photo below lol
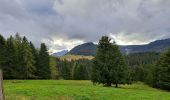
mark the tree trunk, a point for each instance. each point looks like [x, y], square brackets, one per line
[1, 86]
[116, 85]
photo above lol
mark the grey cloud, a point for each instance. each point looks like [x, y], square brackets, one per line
[135, 21]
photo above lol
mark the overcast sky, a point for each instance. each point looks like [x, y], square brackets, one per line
[62, 24]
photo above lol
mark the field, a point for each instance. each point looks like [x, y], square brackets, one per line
[78, 90]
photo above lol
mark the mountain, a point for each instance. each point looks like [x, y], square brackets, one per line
[89, 49]
[156, 46]
[61, 53]
[86, 49]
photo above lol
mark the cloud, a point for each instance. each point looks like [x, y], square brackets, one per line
[65, 23]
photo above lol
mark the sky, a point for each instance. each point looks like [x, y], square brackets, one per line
[63, 24]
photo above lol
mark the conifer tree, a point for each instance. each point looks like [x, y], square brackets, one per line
[109, 65]
[53, 68]
[28, 61]
[74, 70]
[43, 63]
[162, 72]
[66, 70]
[2, 50]
[35, 57]
[10, 66]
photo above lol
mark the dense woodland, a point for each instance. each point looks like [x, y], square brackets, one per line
[20, 59]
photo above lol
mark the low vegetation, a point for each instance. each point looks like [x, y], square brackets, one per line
[78, 90]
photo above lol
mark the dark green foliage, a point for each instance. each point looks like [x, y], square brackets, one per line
[162, 72]
[141, 58]
[142, 73]
[109, 65]
[2, 50]
[141, 66]
[72, 69]
[20, 60]
[79, 72]
[53, 68]
[43, 63]
[28, 60]
[9, 66]
[65, 69]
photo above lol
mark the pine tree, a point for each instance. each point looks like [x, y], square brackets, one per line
[66, 70]
[53, 68]
[34, 52]
[10, 66]
[43, 63]
[28, 60]
[162, 72]
[2, 51]
[74, 70]
[109, 65]
[19, 56]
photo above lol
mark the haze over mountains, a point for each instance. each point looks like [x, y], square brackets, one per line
[89, 49]
[61, 53]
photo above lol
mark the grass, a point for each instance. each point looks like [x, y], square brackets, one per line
[78, 90]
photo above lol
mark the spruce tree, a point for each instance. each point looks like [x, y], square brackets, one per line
[28, 61]
[66, 70]
[34, 52]
[74, 70]
[10, 67]
[19, 56]
[43, 69]
[53, 68]
[2, 51]
[162, 72]
[109, 66]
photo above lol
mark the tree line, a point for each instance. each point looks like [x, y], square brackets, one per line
[75, 69]
[19, 59]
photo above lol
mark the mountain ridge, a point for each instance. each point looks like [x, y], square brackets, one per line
[89, 49]
[60, 53]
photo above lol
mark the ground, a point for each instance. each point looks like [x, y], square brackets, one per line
[78, 90]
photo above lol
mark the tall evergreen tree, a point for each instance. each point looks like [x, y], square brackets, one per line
[162, 72]
[43, 63]
[35, 57]
[10, 66]
[109, 65]
[2, 50]
[19, 56]
[28, 60]
[53, 68]
[66, 70]
[74, 70]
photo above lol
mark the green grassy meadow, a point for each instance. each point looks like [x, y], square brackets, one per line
[78, 90]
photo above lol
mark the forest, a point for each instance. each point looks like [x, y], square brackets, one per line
[20, 59]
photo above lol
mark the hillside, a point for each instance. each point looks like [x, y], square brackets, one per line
[75, 57]
[86, 49]
[157, 46]
[89, 49]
